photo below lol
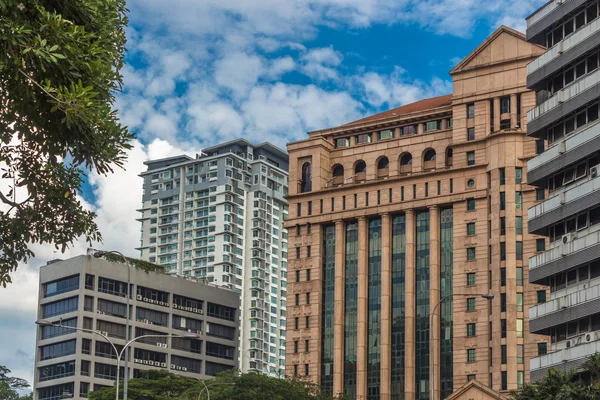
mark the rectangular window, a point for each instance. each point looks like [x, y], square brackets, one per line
[519, 250]
[309, 211]
[539, 194]
[519, 302]
[471, 279]
[519, 327]
[471, 110]
[470, 158]
[297, 320]
[297, 275]
[307, 322]
[471, 355]
[305, 369]
[295, 346]
[307, 346]
[355, 200]
[471, 253]
[539, 146]
[505, 104]
[402, 193]
[504, 384]
[321, 206]
[387, 134]
[342, 142]
[502, 226]
[308, 251]
[540, 244]
[520, 378]
[63, 285]
[297, 299]
[518, 176]
[470, 133]
[414, 192]
[299, 209]
[519, 276]
[332, 204]
[439, 187]
[390, 195]
[307, 298]
[502, 302]
[433, 126]
[541, 296]
[471, 304]
[502, 176]
[363, 138]
[503, 328]
[471, 228]
[308, 275]
[426, 189]
[378, 197]
[502, 251]
[502, 201]
[471, 377]
[503, 355]
[542, 348]
[471, 330]
[519, 200]
[470, 204]
[519, 225]
[343, 202]
[297, 253]
[295, 369]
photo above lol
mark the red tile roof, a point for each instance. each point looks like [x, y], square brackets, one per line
[420, 105]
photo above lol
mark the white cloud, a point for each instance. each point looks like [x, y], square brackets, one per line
[238, 72]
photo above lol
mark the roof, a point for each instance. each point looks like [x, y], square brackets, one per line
[490, 394]
[421, 105]
[245, 142]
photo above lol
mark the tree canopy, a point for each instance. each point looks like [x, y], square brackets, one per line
[163, 385]
[9, 386]
[583, 384]
[59, 72]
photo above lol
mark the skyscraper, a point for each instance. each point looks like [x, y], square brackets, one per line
[566, 80]
[220, 216]
[391, 214]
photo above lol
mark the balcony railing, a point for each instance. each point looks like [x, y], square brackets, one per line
[555, 358]
[564, 46]
[564, 95]
[578, 297]
[543, 11]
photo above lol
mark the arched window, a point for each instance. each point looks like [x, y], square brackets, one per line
[405, 163]
[449, 157]
[429, 155]
[383, 166]
[360, 171]
[338, 175]
[306, 182]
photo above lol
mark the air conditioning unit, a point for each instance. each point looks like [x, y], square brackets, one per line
[568, 238]
[195, 310]
[145, 362]
[139, 297]
[159, 344]
[200, 311]
[184, 369]
[172, 366]
[150, 323]
[594, 171]
[164, 365]
[189, 330]
[150, 362]
[145, 299]
[562, 147]
[199, 332]
[588, 338]
[99, 312]
[178, 368]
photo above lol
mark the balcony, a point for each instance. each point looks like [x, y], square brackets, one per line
[563, 53]
[577, 302]
[542, 12]
[564, 256]
[578, 145]
[550, 13]
[564, 203]
[563, 102]
[565, 359]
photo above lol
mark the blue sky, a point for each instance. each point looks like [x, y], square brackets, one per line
[204, 71]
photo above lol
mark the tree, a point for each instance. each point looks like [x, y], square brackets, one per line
[560, 385]
[59, 73]
[10, 385]
[229, 385]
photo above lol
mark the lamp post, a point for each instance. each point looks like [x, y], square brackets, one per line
[487, 296]
[43, 322]
[100, 254]
[210, 384]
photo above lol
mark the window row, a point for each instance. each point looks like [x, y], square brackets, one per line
[573, 173]
[572, 23]
[575, 223]
[62, 285]
[574, 121]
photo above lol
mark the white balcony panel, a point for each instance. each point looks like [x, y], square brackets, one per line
[564, 46]
[564, 95]
[571, 143]
[561, 356]
[575, 296]
[584, 239]
[564, 197]
[545, 10]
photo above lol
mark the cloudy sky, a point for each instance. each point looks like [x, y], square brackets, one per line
[204, 71]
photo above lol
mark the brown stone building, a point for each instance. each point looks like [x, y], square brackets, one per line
[398, 210]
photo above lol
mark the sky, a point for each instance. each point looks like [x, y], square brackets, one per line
[200, 72]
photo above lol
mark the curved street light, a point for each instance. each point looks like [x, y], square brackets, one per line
[44, 322]
[487, 296]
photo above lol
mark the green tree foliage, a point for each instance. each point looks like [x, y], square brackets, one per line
[163, 385]
[59, 72]
[571, 385]
[10, 385]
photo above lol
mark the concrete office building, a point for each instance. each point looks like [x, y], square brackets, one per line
[90, 293]
[391, 213]
[567, 81]
[220, 216]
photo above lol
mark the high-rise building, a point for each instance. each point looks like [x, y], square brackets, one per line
[89, 293]
[220, 216]
[394, 212]
[566, 79]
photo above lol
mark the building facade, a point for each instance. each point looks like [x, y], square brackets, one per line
[566, 80]
[220, 216]
[90, 293]
[396, 211]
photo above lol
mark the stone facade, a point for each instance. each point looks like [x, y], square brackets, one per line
[404, 209]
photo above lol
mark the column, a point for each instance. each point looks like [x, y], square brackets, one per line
[434, 285]
[396, 132]
[338, 314]
[420, 128]
[386, 306]
[362, 315]
[410, 311]
[496, 114]
[513, 110]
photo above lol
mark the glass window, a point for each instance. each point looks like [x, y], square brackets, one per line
[471, 279]
[539, 194]
[470, 158]
[470, 133]
[502, 201]
[387, 134]
[61, 286]
[540, 244]
[471, 304]
[541, 296]
[518, 176]
[519, 302]
[471, 330]
[60, 307]
[363, 138]
[502, 176]
[470, 204]
[519, 250]
[505, 104]
[503, 302]
[502, 251]
[520, 378]
[471, 355]
[502, 226]
[542, 348]
[471, 110]
[502, 277]
[503, 355]
[342, 142]
[519, 200]
[519, 327]
[503, 328]
[519, 225]
[504, 383]
[519, 276]
[539, 146]
[471, 228]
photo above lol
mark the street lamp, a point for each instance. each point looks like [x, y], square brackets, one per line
[100, 254]
[487, 296]
[44, 322]
[211, 384]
